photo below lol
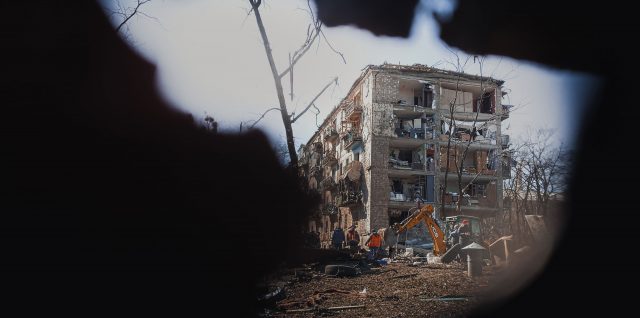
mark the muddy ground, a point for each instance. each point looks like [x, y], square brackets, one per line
[399, 289]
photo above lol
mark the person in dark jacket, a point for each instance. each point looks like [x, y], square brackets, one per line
[454, 236]
[465, 233]
[337, 238]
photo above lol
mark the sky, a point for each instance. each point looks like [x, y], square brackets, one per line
[211, 61]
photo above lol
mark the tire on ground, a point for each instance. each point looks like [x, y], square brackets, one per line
[451, 254]
[340, 270]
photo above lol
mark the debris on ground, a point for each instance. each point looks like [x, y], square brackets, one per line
[398, 289]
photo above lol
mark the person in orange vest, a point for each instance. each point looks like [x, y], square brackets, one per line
[374, 242]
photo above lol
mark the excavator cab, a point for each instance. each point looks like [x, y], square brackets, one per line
[476, 227]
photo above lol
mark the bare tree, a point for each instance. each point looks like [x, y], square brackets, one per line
[541, 170]
[211, 124]
[124, 11]
[314, 31]
[461, 150]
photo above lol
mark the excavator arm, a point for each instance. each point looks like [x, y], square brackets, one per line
[424, 214]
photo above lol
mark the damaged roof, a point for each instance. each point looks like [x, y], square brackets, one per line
[421, 68]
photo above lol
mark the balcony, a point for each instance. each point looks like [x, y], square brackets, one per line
[479, 143]
[351, 138]
[403, 169]
[415, 133]
[410, 138]
[477, 211]
[505, 112]
[328, 184]
[506, 167]
[329, 209]
[353, 111]
[402, 201]
[349, 198]
[504, 141]
[406, 111]
[316, 146]
[330, 134]
[329, 159]
[479, 206]
[315, 171]
[468, 116]
[471, 175]
[303, 162]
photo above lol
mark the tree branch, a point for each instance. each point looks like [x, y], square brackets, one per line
[311, 37]
[297, 55]
[135, 11]
[331, 47]
[314, 99]
[262, 116]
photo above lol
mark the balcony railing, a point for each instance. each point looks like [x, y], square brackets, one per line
[328, 183]
[506, 170]
[350, 138]
[504, 141]
[330, 134]
[404, 197]
[353, 111]
[415, 133]
[348, 198]
[482, 201]
[329, 158]
[505, 111]
[315, 171]
[405, 165]
[317, 146]
[329, 209]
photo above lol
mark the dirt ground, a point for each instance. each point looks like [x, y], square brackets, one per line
[395, 290]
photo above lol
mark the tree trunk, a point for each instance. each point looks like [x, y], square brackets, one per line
[286, 119]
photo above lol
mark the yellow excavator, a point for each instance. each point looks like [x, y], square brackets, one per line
[424, 214]
[438, 236]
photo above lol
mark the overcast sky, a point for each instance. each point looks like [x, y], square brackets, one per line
[211, 60]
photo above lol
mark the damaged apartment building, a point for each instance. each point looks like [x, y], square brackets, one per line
[396, 137]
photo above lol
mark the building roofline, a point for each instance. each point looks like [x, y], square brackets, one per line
[421, 68]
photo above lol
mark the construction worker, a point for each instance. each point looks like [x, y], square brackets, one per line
[374, 242]
[337, 238]
[454, 236]
[464, 234]
[353, 239]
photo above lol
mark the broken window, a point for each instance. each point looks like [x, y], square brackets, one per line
[463, 134]
[430, 195]
[427, 93]
[481, 161]
[477, 190]
[486, 103]
[397, 186]
[460, 100]
[405, 155]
